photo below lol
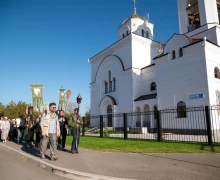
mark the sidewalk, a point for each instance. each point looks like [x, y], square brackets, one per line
[129, 165]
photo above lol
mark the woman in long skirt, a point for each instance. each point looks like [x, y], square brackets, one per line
[5, 129]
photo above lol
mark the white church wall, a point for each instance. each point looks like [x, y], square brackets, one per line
[94, 99]
[179, 77]
[125, 93]
[135, 25]
[124, 29]
[212, 60]
[122, 50]
[207, 11]
[141, 51]
[218, 35]
[210, 34]
[148, 76]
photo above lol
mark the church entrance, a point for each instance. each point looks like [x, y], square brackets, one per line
[109, 112]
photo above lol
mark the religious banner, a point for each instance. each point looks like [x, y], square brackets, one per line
[62, 100]
[44, 107]
[37, 95]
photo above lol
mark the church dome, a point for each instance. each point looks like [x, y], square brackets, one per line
[134, 16]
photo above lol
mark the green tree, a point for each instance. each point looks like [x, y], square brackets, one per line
[87, 119]
[13, 110]
[2, 109]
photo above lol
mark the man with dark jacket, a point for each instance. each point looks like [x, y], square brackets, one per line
[76, 125]
[63, 130]
[38, 132]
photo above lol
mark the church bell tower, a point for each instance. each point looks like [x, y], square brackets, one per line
[197, 15]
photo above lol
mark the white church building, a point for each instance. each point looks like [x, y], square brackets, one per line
[137, 73]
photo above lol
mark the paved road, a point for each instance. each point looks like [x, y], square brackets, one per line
[136, 166]
[12, 168]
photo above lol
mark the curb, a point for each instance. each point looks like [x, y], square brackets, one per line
[66, 173]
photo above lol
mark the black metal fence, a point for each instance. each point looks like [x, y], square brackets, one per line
[188, 124]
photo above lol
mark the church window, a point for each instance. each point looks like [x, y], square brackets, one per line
[173, 54]
[153, 86]
[114, 84]
[109, 76]
[138, 120]
[180, 52]
[181, 109]
[217, 73]
[193, 14]
[142, 33]
[110, 86]
[147, 34]
[218, 8]
[106, 87]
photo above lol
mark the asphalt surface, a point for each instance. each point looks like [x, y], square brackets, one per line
[136, 166]
[12, 168]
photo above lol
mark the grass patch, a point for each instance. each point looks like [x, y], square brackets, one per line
[141, 146]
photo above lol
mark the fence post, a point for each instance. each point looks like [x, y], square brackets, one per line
[159, 130]
[83, 127]
[101, 126]
[125, 127]
[208, 125]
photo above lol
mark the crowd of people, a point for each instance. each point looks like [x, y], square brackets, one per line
[50, 127]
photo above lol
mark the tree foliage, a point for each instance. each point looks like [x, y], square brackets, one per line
[13, 110]
[87, 118]
[70, 107]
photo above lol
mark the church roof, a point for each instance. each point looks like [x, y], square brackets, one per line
[146, 97]
[190, 40]
[133, 17]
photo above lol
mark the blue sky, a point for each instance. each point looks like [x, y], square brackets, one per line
[50, 41]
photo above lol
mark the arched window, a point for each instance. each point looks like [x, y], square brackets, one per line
[106, 87]
[109, 76]
[153, 86]
[147, 116]
[217, 73]
[110, 86]
[173, 54]
[114, 84]
[147, 34]
[192, 9]
[180, 52]
[181, 109]
[109, 109]
[142, 33]
[138, 121]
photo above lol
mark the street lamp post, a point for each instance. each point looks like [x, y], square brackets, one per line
[78, 100]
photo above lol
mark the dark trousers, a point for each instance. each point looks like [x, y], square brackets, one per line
[20, 133]
[38, 139]
[30, 136]
[76, 138]
[63, 140]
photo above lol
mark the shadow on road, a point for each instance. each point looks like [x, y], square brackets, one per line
[180, 160]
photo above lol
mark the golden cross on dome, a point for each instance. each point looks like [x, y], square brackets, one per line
[135, 12]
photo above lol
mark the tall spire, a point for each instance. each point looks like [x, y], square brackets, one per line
[135, 11]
